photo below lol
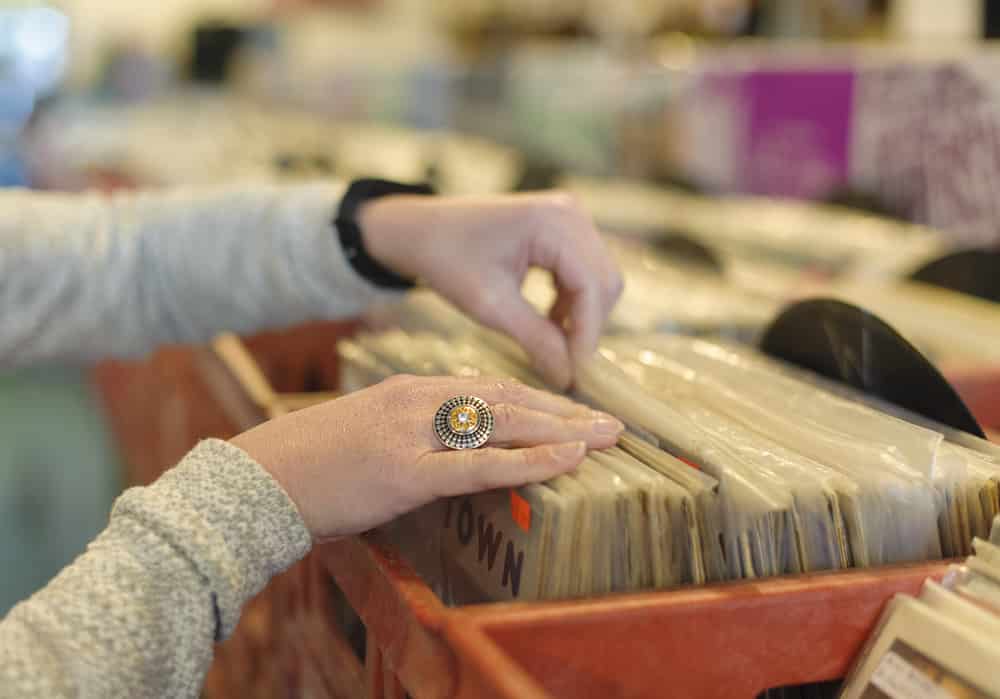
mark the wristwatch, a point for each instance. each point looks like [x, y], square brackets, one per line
[349, 232]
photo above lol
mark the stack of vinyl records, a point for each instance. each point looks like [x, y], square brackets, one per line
[701, 301]
[798, 235]
[661, 294]
[770, 252]
[942, 644]
[736, 466]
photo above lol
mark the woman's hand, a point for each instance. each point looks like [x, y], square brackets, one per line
[476, 251]
[361, 460]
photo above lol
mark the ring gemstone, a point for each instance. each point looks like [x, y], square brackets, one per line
[463, 419]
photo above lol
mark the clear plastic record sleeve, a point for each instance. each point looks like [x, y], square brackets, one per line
[697, 524]
[671, 543]
[635, 514]
[816, 532]
[754, 511]
[965, 470]
[891, 459]
[735, 467]
[566, 578]
[605, 569]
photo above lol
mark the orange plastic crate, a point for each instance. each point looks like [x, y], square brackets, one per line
[733, 640]
[729, 640]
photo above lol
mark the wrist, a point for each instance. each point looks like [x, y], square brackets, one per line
[373, 234]
[273, 454]
[392, 234]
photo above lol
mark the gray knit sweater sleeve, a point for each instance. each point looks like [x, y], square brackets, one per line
[138, 613]
[85, 277]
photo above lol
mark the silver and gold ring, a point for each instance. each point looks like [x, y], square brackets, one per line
[463, 422]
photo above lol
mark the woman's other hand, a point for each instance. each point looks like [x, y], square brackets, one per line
[361, 460]
[475, 251]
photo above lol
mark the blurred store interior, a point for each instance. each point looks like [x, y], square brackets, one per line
[889, 107]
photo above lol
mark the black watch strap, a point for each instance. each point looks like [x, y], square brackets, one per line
[349, 232]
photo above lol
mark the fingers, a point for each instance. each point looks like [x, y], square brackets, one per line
[612, 285]
[586, 275]
[579, 307]
[544, 342]
[516, 393]
[517, 426]
[476, 470]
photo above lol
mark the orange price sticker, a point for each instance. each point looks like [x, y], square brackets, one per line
[520, 511]
[689, 463]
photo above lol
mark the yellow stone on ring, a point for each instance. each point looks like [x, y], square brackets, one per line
[463, 419]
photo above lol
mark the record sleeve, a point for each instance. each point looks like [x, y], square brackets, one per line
[919, 653]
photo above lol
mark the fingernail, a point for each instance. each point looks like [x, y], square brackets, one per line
[608, 425]
[570, 450]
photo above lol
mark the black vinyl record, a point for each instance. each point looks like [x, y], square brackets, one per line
[972, 272]
[847, 344]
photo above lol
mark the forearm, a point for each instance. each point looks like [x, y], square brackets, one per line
[87, 276]
[139, 612]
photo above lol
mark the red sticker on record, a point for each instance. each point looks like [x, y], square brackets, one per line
[689, 463]
[520, 511]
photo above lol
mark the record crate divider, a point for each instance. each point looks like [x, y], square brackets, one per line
[733, 639]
